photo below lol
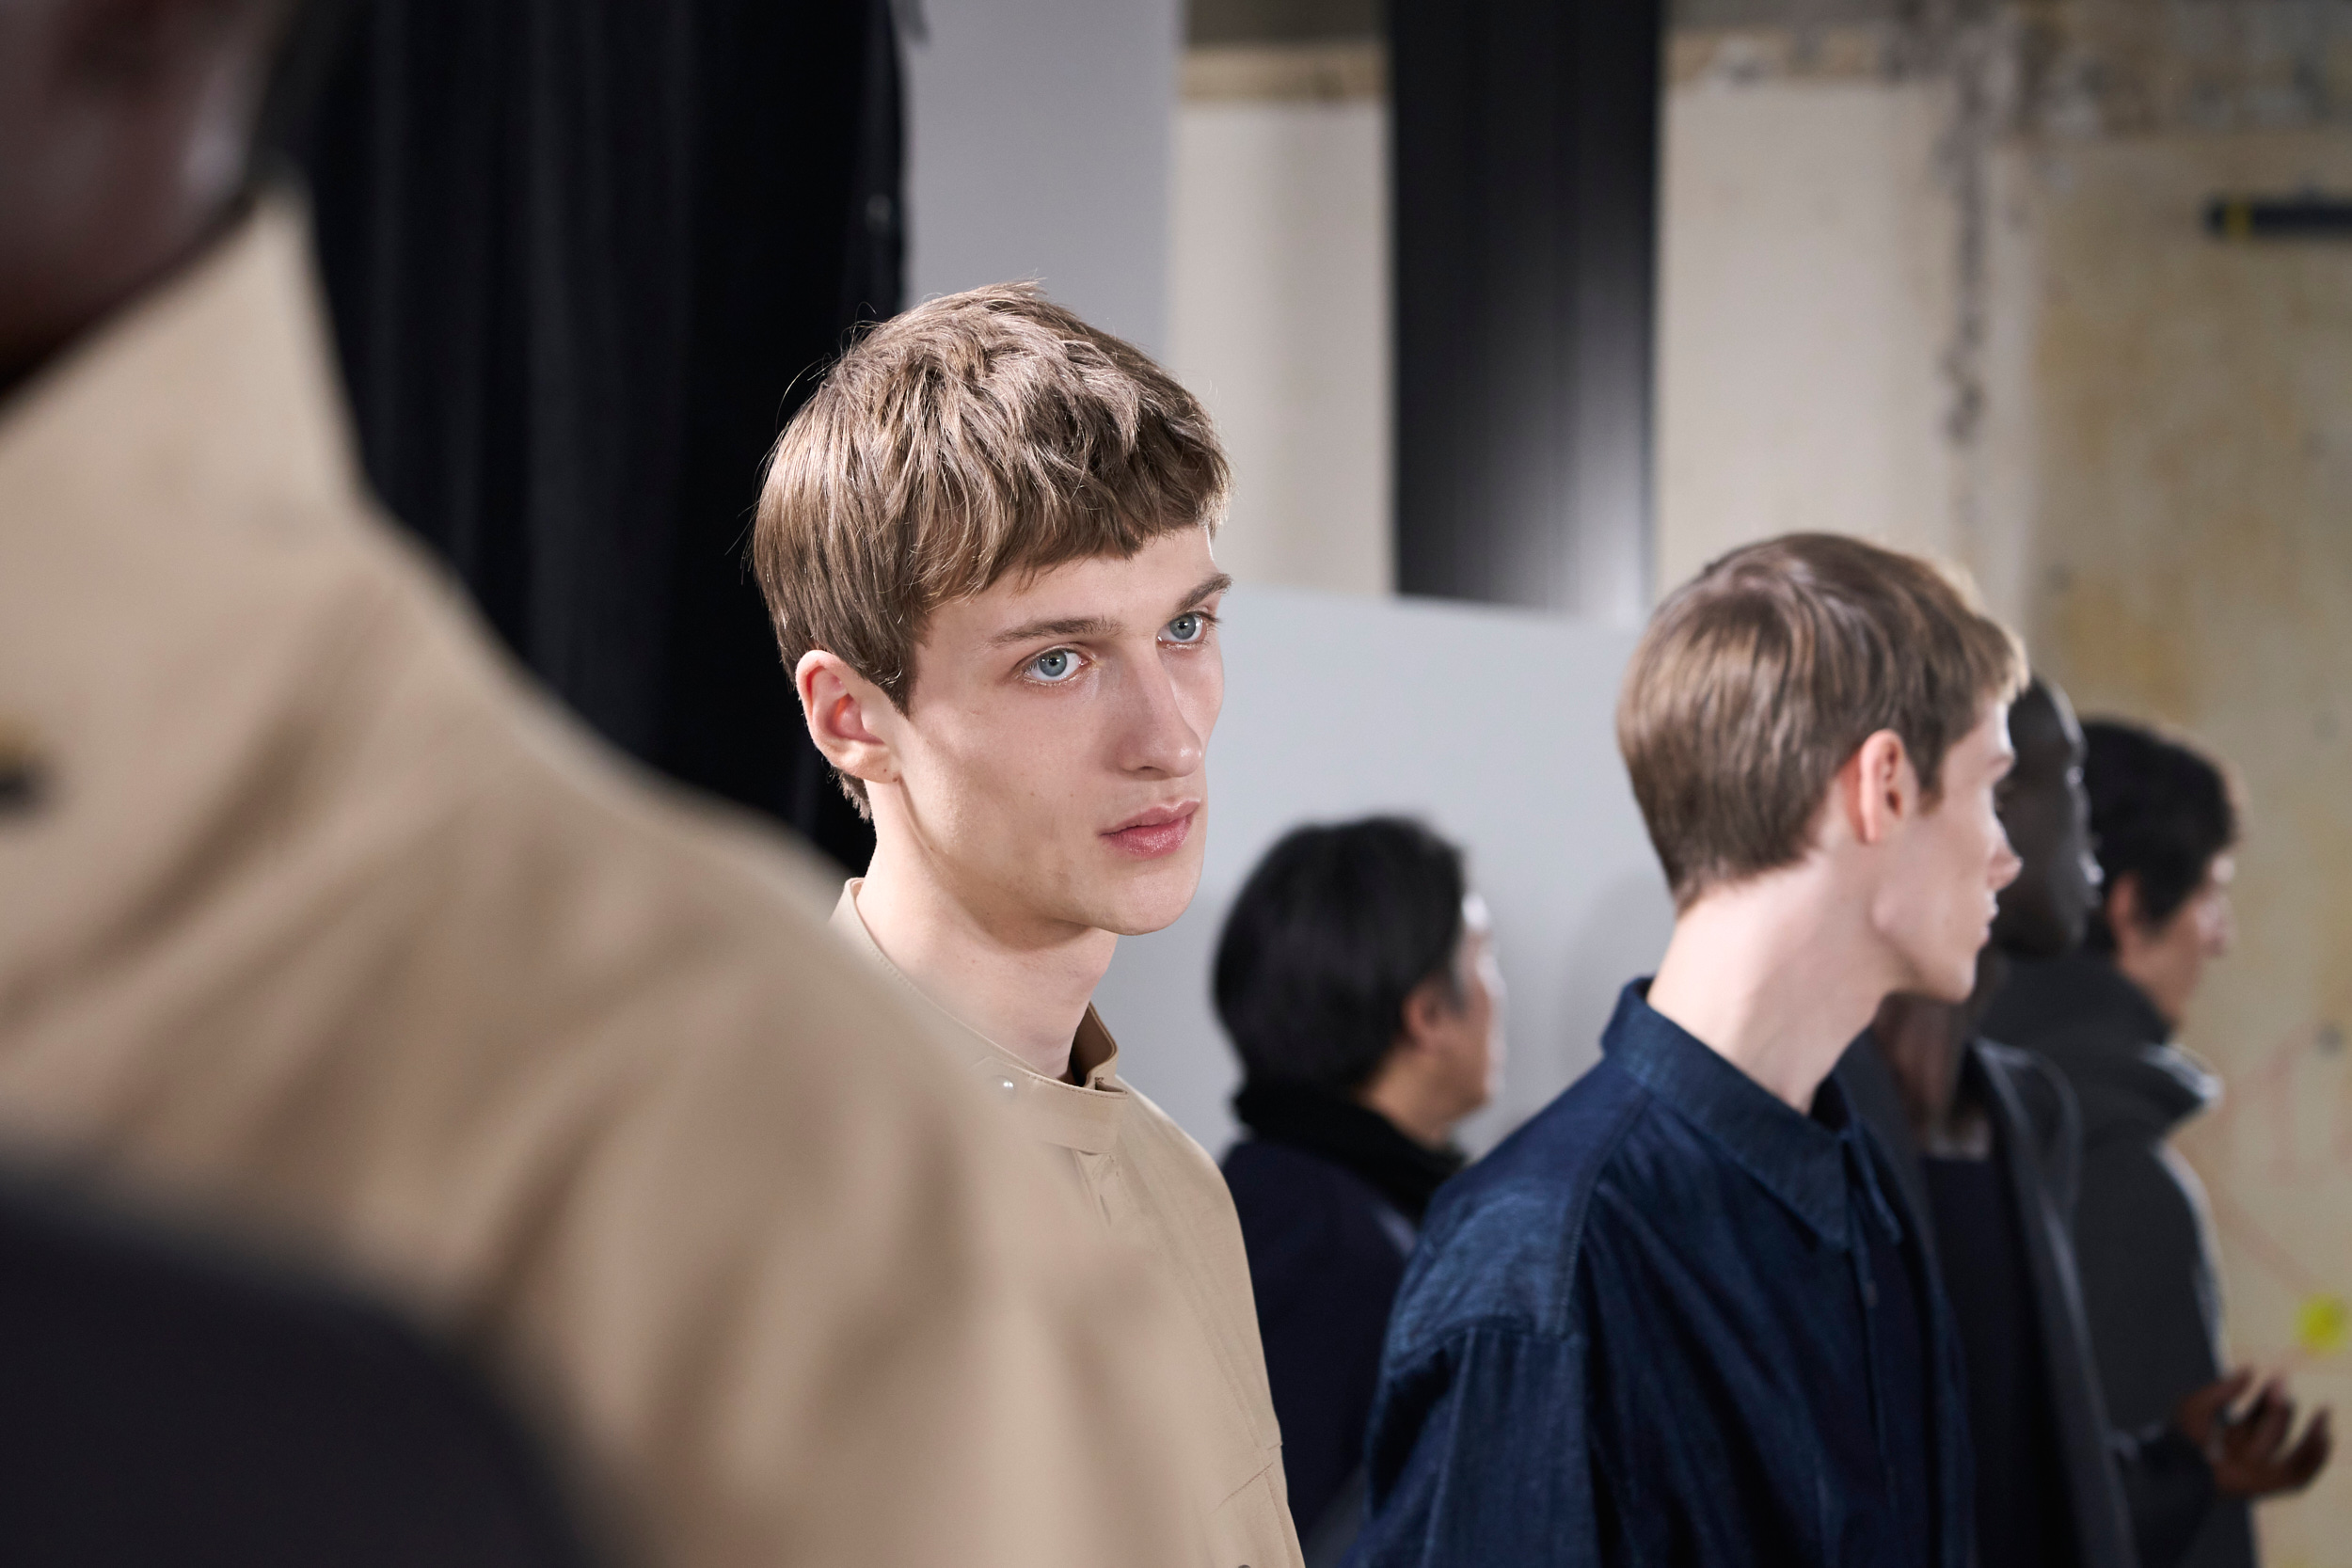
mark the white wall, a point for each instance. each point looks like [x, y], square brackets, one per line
[1495, 726]
[1279, 320]
[1038, 147]
[1805, 299]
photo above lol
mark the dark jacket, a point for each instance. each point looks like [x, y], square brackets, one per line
[166, 1403]
[2150, 1290]
[1331, 1196]
[2133, 1498]
[1672, 1322]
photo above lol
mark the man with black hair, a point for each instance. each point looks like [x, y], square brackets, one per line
[2106, 1017]
[1986, 1140]
[1357, 978]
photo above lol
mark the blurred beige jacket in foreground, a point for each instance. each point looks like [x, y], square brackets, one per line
[319, 922]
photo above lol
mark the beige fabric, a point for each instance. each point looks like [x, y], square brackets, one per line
[323, 922]
[1157, 1190]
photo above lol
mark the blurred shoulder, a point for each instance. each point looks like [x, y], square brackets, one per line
[2039, 1090]
[1263, 1174]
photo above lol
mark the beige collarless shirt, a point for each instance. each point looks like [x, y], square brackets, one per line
[316, 917]
[1159, 1192]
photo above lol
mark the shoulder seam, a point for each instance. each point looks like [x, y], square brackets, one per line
[1506, 1328]
[1619, 1130]
[1580, 1207]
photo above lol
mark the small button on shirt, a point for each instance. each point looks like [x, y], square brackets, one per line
[1156, 1189]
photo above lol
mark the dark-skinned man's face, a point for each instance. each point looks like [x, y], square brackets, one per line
[123, 138]
[2047, 815]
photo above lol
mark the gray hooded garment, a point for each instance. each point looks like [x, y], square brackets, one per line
[2141, 1232]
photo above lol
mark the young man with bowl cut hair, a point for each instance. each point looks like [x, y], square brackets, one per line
[985, 542]
[1682, 1316]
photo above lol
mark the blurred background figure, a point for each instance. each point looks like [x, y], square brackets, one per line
[316, 918]
[1989, 1146]
[2107, 1018]
[1356, 977]
[168, 1402]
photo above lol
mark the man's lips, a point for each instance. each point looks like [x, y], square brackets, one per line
[1162, 831]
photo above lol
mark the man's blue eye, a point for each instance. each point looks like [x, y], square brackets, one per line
[1186, 628]
[1053, 666]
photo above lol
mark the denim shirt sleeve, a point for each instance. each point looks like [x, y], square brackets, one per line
[1479, 1457]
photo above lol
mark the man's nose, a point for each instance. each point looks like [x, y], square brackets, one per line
[1158, 738]
[2006, 863]
[2221, 931]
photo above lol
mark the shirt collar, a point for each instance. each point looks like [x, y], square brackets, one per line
[1806, 1163]
[1085, 1116]
[2081, 985]
[213, 398]
[2101, 1028]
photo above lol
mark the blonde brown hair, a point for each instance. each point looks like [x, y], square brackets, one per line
[979, 434]
[1760, 677]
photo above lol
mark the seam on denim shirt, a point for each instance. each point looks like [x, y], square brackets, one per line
[1419, 1349]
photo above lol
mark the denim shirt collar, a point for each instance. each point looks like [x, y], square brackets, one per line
[1806, 1163]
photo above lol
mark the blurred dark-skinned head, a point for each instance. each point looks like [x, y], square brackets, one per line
[2046, 813]
[126, 129]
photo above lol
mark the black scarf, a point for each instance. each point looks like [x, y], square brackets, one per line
[1360, 1141]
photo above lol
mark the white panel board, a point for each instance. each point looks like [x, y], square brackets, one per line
[1494, 726]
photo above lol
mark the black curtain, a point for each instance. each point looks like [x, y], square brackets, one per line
[1525, 141]
[585, 256]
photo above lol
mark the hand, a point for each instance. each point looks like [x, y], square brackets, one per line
[2248, 1448]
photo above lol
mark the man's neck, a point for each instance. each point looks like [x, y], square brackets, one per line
[1925, 1044]
[1411, 1107]
[2151, 981]
[1776, 975]
[1022, 982]
[23, 360]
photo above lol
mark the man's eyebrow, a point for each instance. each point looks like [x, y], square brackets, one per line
[1209, 589]
[1083, 625]
[1096, 625]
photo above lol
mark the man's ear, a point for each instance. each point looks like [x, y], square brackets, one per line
[1878, 786]
[2121, 898]
[1428, 1008]
[842, 708]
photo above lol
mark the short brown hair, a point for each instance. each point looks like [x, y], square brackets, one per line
[1760, 677]
[979, 434]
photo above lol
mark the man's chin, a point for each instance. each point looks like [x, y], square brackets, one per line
[1139, 905]
[1950, 984]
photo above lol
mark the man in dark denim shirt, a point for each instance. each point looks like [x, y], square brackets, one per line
[1681, 1317]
